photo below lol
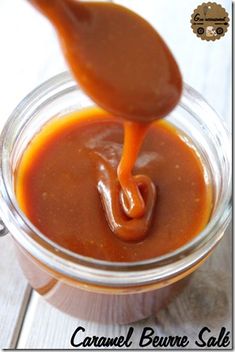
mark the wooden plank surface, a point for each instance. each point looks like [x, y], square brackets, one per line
[29, 55]
[14, 294]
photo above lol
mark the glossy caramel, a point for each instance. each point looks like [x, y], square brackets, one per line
[58, 187]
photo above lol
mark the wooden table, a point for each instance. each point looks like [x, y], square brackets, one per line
[29, 55]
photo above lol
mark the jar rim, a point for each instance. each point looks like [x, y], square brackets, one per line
[93, 270]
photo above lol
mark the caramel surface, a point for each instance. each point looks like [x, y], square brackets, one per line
[62, 171]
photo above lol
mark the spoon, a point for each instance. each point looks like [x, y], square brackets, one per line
[117, 57]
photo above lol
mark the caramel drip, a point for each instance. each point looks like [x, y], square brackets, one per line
[126, 228]
[131, 197]
[123, 64]
[128, 200]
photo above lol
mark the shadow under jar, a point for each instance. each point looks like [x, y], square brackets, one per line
[110, 292]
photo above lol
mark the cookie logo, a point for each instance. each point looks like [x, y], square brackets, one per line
[210, 21]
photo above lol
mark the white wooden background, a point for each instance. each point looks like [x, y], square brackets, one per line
[29, 54]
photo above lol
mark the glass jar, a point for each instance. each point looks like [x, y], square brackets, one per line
[110, 292]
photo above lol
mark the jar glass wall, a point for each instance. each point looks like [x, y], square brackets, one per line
[121, 292]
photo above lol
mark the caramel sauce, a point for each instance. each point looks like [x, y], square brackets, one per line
[70, 166]
[122, 63]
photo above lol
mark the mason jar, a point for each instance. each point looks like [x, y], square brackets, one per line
[110, 292]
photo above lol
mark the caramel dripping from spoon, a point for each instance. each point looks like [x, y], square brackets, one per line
[102, 75]
[131, 197]
[128, 203]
